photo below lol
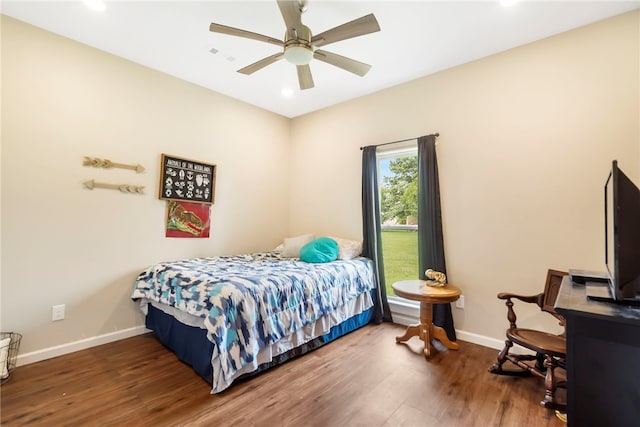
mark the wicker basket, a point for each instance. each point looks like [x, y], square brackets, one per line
[12, 352]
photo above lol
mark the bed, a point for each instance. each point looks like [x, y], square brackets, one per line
[230, 317]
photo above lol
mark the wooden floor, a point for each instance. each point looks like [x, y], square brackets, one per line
[364, 378]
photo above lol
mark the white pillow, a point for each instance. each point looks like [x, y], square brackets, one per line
[348, 249]
[4, 354]
[292, 245]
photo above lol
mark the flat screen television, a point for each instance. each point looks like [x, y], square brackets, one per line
[622, 235]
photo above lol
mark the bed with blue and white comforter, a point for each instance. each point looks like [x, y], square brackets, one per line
[256, 302]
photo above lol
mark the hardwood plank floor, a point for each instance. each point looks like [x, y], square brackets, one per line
[364, 378]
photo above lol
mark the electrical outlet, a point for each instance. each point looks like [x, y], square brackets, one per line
[460, 302]
[57, 312]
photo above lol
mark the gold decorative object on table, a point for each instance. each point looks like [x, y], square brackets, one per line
[108, 164]
[125, 188]
[435, 278]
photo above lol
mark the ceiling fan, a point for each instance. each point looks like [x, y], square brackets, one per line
[300, 47]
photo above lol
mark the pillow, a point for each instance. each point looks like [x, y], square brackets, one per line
[292, 245]
[349, 249]
[323, 249]
[4, 354]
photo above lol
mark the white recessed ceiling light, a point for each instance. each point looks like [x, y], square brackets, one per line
[95, 4]
[287, 92]
[508, 2]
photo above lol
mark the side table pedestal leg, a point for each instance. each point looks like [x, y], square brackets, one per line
[441, 335]
[426, 313]
[412, 331]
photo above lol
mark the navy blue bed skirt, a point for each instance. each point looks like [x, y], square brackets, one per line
[191, 346]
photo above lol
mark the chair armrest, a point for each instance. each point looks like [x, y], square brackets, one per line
[525, 298]
[511, 315]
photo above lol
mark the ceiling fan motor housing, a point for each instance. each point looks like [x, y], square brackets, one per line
[297, 45]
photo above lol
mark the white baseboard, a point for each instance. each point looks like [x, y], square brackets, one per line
[480, 340]
[59, 350]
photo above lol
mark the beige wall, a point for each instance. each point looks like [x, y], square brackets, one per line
[62, 244]
[526, 141]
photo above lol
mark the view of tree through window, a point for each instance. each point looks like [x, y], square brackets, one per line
[399, 215]
[399, 191]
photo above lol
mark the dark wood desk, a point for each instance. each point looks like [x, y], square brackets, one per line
[603, 359]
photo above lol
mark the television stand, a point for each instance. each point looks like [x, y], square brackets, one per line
[603, 358]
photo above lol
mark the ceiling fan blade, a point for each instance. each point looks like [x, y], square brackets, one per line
[358, 27]
[304, 77]
[348, 64]
[252, 68]
[223, 29]
[291, 14]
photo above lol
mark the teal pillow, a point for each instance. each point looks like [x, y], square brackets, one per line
[319, 250]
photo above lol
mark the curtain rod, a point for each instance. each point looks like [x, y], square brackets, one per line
[397, 142]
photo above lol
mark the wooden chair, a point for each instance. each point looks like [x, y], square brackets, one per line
[550, 349]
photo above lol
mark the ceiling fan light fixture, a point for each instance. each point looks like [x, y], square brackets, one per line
[298, 54]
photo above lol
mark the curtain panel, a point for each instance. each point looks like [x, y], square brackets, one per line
[430, 237]
[371, 231]
[430, 241]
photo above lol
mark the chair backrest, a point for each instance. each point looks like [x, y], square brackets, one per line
[551, 289]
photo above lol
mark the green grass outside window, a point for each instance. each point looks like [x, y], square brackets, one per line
[400, 251]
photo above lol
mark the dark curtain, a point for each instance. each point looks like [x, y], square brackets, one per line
[430, 242]
[372, 239]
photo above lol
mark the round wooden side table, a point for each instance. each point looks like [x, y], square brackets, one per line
[417, 290]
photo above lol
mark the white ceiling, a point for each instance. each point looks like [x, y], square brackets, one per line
[417, 38]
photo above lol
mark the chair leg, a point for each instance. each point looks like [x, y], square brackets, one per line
[550, 385]
[496, 368]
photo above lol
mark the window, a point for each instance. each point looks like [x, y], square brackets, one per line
[398, 186]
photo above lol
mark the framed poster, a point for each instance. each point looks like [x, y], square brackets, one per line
[187, 180]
